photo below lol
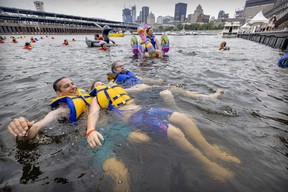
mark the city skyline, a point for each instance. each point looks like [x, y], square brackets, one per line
[112, 9]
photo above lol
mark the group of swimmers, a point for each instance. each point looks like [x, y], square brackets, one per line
[180, 128]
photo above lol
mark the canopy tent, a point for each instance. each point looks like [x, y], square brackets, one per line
[244, 26]
[258, 19]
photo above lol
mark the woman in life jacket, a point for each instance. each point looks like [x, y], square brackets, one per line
[177, 127]
[65, 42]
[27, 46]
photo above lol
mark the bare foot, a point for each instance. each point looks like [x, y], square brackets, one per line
[218, 93]
[167, 97]
[215, 152]
[219, 173]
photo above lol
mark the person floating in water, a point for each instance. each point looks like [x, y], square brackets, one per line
[223, 46]
[65, 42]
[127, 79]
[32, 40]
[104, 47]
[14, 40]
[174, 125]
[2, 39]
[27, 46]
[283, 61]
[98, 37]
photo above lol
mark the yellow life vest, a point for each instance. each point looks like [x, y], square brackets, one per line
[77, 104]
[111, 97]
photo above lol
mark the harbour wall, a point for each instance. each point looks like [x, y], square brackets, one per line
[275, 39]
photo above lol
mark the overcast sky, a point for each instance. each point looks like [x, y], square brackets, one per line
[112, 9]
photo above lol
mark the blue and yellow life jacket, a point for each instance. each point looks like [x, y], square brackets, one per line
[111, 97]
[152, 40]
[126, 80]
[77, 104]
[283, 62]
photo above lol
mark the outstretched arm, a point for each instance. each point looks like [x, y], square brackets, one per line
[93, 136]
[157, 44]
[22, 128]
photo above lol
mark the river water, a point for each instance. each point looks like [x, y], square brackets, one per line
[248, 121]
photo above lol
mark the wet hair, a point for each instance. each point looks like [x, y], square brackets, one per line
[97, 35]
[27, 44]
[92, 86]
[147, 30]
[223, 43]
[56, 87]
[114, 64]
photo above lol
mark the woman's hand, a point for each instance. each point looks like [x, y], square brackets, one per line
[94, 138]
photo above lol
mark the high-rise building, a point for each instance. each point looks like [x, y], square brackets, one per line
[151, 19]
[39, 5]
[199, 16]
[252, 7]
[221, 14]
[145, 12]
[126, 15]
[180, 12]
[239, 14]
[159, 20]
[133, 14]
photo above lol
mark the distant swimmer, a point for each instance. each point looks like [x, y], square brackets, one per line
[73, 40]
[283, 62]
[98, 37]
[14, 40]
[104, 47]
[223, 46]
[27, 46]
[2, 39]
[32, 40]
[65, 42]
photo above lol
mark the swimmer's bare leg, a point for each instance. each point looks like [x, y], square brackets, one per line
[178, 138]
[191, 130]
[191, 94]
[138, 137]
[168, 98]
[119, 173]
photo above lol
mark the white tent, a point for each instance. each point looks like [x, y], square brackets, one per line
[258, 19]
[244, 26]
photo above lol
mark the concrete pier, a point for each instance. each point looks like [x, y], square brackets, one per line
[275, 39]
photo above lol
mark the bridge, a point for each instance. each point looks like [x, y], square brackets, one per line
[22, 21]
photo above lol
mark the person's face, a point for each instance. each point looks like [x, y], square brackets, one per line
[119, 67]
[66, 88]
[150, 32]
[104, 46]
[98, 83]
